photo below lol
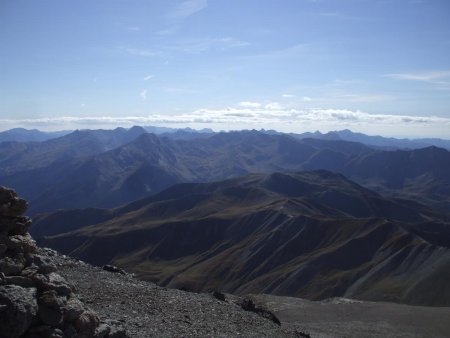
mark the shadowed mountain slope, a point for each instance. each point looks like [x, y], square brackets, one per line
[310, 234]
[150, 164]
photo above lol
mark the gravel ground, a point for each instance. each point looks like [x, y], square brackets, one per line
[147, 310]
[340, 317]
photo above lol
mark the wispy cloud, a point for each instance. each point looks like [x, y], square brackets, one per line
[148, 77]
[143, 95]
[141, 52]
[181, 90]
[200, 45]
[440, 79]
[288, 52]
[188, 8]
[134, 28]
[168, 31]
[423, 76]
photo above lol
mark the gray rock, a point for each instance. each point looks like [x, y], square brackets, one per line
[20, 281]
[52, 281]
[10, 204]
[22, 243]
[116, 329]
[52, 299]
[112, 268]
[86, 324]
[19, 225]
[19, 306]
[12, 266]
[248, 304]
[102, 331]
[50, 316]
[70, 332]
[45, 264]
[73, 309]
[3, 248]
[51, 307]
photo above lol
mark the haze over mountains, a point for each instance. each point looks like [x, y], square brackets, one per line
[106, 168]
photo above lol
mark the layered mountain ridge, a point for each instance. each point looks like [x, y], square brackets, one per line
[94, 169]
[305, 234]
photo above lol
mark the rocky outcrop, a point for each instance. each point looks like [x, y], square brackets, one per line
[35, 301]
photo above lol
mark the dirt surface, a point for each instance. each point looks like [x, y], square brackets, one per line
[147, 310]
[340, 317]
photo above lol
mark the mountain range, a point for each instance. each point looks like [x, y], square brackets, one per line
[305, 234]
[109, 168]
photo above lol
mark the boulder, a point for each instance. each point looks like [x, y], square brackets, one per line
[112, 268]
[18, 307]
[86, 324]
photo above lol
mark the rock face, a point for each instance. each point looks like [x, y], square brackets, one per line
[35, 301]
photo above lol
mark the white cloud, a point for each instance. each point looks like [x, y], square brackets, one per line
[306, 99]
[188, 8]
[269, 117]
[134, 28]
[143, 95]
[148, 77]
[288, 96]
[249, 104]
[141, 52]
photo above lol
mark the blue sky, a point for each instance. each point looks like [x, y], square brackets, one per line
[376, 66]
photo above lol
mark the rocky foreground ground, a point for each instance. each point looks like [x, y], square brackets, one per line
[147, 310]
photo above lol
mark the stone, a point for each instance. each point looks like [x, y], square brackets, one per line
[45, 264]
[52, 299]
[112, 268]
[102, 331]
[86, 324]
[50, 316]
[116, 329]
[45, 331]
[19, 306]
[10, 204]
[12, 265]
[73, 309]
[247, 304]
[19, 225]
[22, 243]
[52, 281]
[218, 295]
[51, 308]
[20, 281]
[70, 332]
[3, 248]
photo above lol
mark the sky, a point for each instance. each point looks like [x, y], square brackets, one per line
[374, 66]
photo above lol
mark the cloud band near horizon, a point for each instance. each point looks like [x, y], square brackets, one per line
[267, 117]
